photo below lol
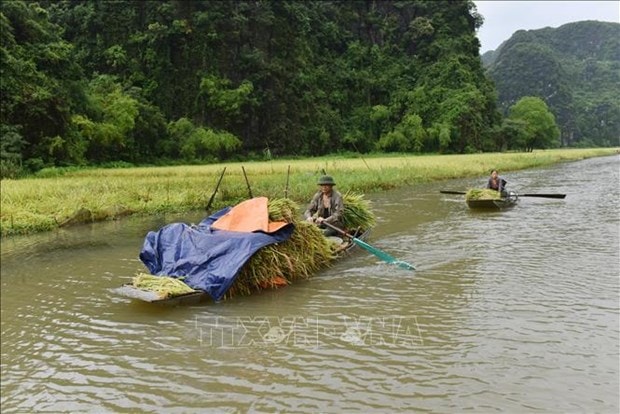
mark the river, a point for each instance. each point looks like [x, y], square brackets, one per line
[514, 311]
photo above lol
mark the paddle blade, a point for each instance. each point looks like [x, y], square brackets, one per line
[452, 192]
[544, 195]
[383, 255]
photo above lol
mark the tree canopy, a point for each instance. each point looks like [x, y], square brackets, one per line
[95, 82]
[537, 124]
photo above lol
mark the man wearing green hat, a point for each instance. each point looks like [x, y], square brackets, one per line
[326, 206]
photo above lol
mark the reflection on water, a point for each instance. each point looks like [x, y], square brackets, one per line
[513, 311]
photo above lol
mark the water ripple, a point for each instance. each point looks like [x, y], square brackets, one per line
[513, 311]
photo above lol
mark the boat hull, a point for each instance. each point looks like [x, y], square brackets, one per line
[130, 291]
[496, 204]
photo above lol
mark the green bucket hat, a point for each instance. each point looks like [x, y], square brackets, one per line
[326, 180]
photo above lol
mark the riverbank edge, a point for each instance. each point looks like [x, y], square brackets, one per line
[361, 175]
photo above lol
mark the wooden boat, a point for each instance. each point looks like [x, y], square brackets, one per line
[130, 291]
[345, 245]
[494, 204]
[240, 249]
[477, 202]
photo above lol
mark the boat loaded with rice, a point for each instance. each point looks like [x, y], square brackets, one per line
[487, 199]
[258, 244]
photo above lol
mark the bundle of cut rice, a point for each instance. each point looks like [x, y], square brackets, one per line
[357, 212]
[482, 194]
[164, 286]
[306, 252]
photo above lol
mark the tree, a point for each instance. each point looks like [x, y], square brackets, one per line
[199, 144]
[541, 130]
[40, 83]
[408, 136]
[109, 128]
[512, 134]
[295, 77]
[11, 143]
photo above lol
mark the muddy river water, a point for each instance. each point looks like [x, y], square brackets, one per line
[514, 311]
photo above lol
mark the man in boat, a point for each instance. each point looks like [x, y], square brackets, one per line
[497, 183]
[327, 205]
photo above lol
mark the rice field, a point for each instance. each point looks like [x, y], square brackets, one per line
[44, 203]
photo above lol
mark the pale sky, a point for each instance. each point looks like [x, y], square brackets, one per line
[503, 18]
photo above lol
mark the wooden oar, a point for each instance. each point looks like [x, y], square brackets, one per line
[380, 254]
[452, 192]
[543, 195]
[520, 195]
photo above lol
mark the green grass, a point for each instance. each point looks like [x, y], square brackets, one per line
[41, 204]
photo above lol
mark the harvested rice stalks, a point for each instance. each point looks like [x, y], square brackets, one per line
[357, 212]
[306, 252]
[165, 286]
[303, 254]
[482, 194]
[282, 209]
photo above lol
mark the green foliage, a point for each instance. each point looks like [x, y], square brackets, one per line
[11, 143]
[10, 169]
[38, 80]
[439, 137]
[197, 143]
[575, 69]
[91, 82]
[109, 129]
[221, 101]
[513, 134]
[536, 124]
[408, 136]
[393, 141]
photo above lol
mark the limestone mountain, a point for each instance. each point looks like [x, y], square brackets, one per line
[574, 68]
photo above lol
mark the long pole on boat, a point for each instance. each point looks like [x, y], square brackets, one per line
[288, 174]
[520, 195]
[379, 253]
[247, 182]
[215, 191]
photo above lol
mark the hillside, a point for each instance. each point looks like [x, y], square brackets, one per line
[107, 82]
[574, 68]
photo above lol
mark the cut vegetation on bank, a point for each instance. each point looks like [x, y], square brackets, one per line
[56, 199]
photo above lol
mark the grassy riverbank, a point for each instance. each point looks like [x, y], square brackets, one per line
[41, 204]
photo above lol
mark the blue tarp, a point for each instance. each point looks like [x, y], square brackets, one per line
[208, 258]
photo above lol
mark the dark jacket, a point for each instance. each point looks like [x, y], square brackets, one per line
[500, 185]
[333, 214]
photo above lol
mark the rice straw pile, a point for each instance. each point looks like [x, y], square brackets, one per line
[357, 212]
[164, 286]
[303, 254]
[482, 194]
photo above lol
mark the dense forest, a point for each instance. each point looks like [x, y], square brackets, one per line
[574, 68]
[123, 82]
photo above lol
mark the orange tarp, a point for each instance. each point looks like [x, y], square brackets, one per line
[249, 216]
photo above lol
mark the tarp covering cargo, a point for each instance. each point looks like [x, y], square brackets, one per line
[210, 255]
